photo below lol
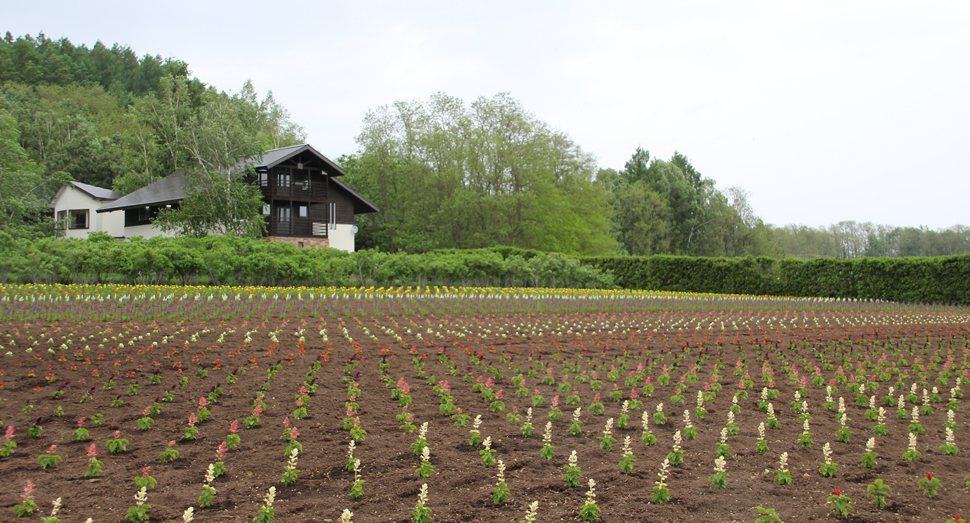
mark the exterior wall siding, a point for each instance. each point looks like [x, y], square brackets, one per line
[145, 231]
[342, 237]
[71, 198]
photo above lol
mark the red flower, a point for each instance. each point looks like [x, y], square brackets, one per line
[837, 492]
[929, 476]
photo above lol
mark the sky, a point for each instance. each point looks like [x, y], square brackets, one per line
[823, 111]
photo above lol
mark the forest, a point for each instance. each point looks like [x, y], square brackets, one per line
[446, 173]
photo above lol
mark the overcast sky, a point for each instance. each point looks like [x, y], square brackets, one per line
[823, 111]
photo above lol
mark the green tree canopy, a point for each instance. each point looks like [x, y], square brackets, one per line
[447, 174]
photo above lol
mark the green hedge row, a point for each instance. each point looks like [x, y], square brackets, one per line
[924, 280]
[235, 261]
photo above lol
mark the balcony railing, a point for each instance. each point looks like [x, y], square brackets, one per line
[302, 227]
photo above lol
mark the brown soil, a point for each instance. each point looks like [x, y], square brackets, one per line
[461, 488]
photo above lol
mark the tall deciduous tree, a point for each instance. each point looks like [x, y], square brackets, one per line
[446, 174]
[24, 191]
[220, 149]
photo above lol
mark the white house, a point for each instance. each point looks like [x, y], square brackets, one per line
[75, 206]
[305, 202]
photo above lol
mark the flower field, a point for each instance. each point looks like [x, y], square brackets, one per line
[137, 403]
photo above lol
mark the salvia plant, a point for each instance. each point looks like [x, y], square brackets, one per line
[840, 503]
[421, 512]
[94, 464]
[290, 472]
[869, 456]
[626, 464]
[548, 451]
[138, 513]
[145, 480]
[805, 438]
[425, 468]
[475, 436]
[487, 453]
[576, 425]
[911, 453]
[169, 453]
[27, 505]
[500, 493]
[783, 475]
[357, 489]
[762, 444]
[949, 447]
[607, 439]
[589, 511]
[531, 513]
[648, 438]
[930, 485]
[879, 493]
[573, 471]
[658, 416]
[676, 454]
[208, 491]
[660, 491]
[50, 459]
[828, 467]
[266, 513]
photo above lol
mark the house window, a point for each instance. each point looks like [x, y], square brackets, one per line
[299, 245]
[333, 215]
[263, 178]
[78, 219]
[266, 210]
[283, 179]
[284, 214]
[303, 211]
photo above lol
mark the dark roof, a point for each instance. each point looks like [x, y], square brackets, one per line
[361, 205]
[170, 189]
[98, 193]
[274, 157]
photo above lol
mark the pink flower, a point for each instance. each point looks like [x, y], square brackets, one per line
[80, 422]
[9, 433]
[203, 403]
[555, 401]
[147, 411]
[28, 491]
[193, 419]
[146, 472]
[257, 411]
[596, 398]
[234, 426]
[221, 450]
[52, 450]
[117, 434]
[299, 402]
[92, 451]
[171, 444]
[286, 422]
[294, 433]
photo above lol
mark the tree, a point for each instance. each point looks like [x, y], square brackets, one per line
[446, 174]
[24, 191]
[220, 150]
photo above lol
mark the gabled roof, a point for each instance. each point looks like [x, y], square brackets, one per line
[170, 189]
[98, 193]
[274, 157]
[361, 205]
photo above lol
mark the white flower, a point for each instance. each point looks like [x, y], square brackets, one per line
[187, 515]
[423, 495]
[573, 459]
[783, 462]
[141, 496]
[719, 464]
[345, 516]
[871, 444]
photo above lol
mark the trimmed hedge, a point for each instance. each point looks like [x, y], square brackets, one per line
[924, 280]
[224, 260]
